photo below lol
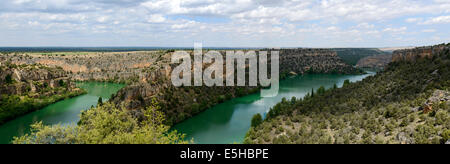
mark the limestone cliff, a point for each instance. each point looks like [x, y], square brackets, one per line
[26, 88]
[412, 55]
[123, 67]
[303, 61]
[20, 79]
[377, 61]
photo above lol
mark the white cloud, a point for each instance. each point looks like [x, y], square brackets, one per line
[365, 25]
[437, 20]
[429, 30]
[293, 21]
[156, 18]
[395, 30]
[413, 20]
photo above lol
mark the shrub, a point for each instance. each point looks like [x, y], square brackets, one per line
[446, 135]
[106, 125]
[8, 79]
[256, 120]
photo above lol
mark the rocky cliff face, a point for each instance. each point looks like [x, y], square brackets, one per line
[20, 79]
[302, 61]
[377, 62]
[122, 67]
[26, 88]
[412, 55]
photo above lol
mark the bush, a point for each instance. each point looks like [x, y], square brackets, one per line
[446, 135]
[346, 83]
[8, 79]
[100, 101]
[106, 125]
[256, 120]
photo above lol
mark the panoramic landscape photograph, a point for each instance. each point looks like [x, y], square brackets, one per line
[224, 72]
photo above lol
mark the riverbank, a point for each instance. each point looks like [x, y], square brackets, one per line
[13, 106]
[62, 112]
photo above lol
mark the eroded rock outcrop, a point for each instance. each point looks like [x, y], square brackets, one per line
[20, 79]
[412, 55]
[26, 88]
[124, 67]
[303, 61]
[377, 62]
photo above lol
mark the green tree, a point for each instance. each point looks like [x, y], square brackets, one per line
[107, 125]
[100, 101]
[321, 90]
[61, 83]
[346, 83]
[446, 135]
[256, 120]
[8, 79]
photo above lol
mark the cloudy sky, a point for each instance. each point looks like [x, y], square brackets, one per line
[224, 23]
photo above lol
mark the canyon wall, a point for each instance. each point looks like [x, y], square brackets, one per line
[377, 61]
[123, 67]
[21, 79]
[26, 88]
[412, 55]
[301, 61]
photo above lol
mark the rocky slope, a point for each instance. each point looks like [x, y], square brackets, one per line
[351, 56]
[377, 62]
[407, 103]
[25, 88]
[124, 67]
[20, 79]
[303, 61]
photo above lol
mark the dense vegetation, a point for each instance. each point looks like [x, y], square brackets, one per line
[107, 124]
[406, 103]
[351, 56]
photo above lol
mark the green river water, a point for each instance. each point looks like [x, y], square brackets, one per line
[64, 112]
[228, 122]
[222, 124]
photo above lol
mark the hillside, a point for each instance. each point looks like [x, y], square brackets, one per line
[407, 103]
[351, 56]
[377, 61]
[26, 88]
[119, 67]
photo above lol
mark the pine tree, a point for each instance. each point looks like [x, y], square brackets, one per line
[100, 101]
[346, 83]
[8, 79]
[256, 120]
